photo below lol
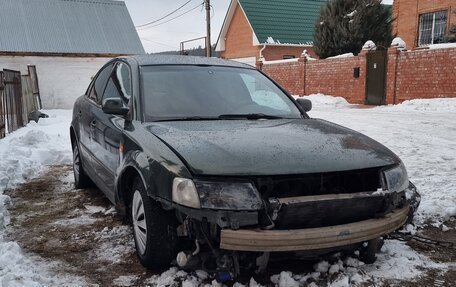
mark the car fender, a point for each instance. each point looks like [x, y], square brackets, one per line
[137, 161]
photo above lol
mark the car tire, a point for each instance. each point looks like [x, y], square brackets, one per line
[154, 229]
[81, 179]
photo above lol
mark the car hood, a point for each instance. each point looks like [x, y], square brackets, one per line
[270, 147]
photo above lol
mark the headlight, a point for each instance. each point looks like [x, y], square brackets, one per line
[228, 195]
[395, 179]
[184, 193]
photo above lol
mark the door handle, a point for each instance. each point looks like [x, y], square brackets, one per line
[80, 113]
[93, 124]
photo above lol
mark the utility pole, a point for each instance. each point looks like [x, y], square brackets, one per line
[207, 4]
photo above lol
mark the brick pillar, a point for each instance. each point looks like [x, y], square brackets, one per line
[259, 64]
[360, 93]
[391, 75]
[302, 70]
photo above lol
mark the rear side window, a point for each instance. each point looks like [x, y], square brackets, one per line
[100, 84]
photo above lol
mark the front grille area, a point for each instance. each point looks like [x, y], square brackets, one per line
[320, 183]
[320, 213]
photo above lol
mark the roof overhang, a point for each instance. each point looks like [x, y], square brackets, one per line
[226, 25]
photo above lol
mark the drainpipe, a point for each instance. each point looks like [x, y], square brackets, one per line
[261, 52]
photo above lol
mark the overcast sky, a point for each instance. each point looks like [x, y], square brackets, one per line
[168, 36]
[162, 36]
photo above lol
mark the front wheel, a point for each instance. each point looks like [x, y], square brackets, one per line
[154, 229]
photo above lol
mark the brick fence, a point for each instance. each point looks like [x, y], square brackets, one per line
[410, 75]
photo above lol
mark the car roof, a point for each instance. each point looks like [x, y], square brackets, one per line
[147, 60]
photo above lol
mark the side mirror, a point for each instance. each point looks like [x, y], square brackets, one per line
[114, 106]
[305, 104]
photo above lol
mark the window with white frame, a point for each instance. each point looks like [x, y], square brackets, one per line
[432, 28]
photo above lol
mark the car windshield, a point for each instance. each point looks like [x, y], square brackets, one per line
[211, 92]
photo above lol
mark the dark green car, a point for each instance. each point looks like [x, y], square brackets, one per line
[216, 165]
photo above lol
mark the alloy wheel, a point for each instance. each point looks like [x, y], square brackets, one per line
[139, 222]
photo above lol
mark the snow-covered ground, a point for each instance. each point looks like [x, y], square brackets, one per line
[24, 154]
[421, 132]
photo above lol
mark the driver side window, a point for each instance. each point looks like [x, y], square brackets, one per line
[119, 85]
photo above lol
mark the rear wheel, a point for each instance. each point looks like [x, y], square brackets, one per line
[154, 229]
[81, 180]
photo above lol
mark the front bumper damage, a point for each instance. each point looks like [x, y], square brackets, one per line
[307, 225]
[312, 238]
[310, 222]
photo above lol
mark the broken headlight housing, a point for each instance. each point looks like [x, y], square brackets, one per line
[184, 193]
[395, 179]
[228, 195]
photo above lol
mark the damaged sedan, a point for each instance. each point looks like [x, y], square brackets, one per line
[217, 167]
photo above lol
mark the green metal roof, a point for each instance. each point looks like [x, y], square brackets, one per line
[286, 21]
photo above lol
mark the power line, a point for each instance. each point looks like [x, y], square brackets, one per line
[159, 43]
[167, 15]
[188, 11]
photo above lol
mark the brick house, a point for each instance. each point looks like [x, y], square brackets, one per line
[423, 22]
[273, 30]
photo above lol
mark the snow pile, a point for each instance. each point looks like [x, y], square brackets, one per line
[306, 55]
[270, 40]
[327, 102]
[346, 55]
[24, 154]
[280, 61]
[27, 150]
[396, 261]
[428, 105]
[369, 45]
[17, 269]
[422, 133]
[442, 46]
[399, 44]
[176, 277]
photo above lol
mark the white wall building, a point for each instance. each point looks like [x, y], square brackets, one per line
[67, 41]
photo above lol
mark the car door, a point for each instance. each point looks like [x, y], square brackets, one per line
[87, 107]
[108, 128]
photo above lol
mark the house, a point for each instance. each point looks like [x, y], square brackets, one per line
[422, 22]
[67, 41]
[272, 30]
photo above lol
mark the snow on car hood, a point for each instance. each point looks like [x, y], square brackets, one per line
[270, 147]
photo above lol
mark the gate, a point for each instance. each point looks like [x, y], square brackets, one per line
[376, 77]
[35, 88]
[2, 108]
[12, 99]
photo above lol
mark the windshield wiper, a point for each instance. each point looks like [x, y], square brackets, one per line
[257, 116]
[193, 118]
